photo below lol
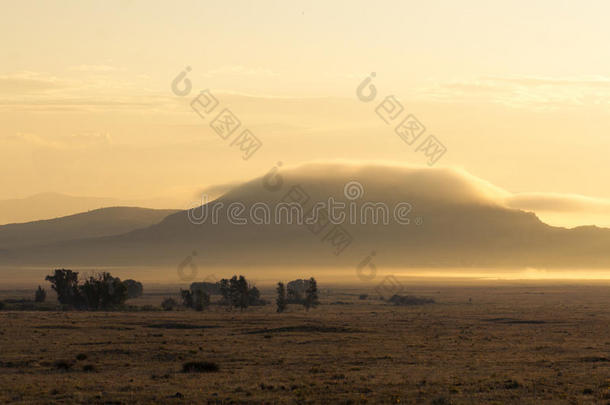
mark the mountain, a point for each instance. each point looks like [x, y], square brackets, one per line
[455, 220]
[54, 205]
[47, 206]
[101, 222]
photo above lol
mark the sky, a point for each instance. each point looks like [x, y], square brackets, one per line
[517, 91]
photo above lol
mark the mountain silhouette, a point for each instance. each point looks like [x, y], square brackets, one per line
[454, 220]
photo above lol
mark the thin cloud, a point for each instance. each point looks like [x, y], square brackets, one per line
[524, 91]
[95, 68]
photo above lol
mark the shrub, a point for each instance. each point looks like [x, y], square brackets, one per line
[63, 365]
[88, 368]
[200, 367]
[440, 401]
[40, 295]
[169, 304]
[363, 296]
[1, 305]
[410, 300]
[81, 356]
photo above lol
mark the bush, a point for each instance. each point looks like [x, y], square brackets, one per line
[40, 295]
[63, 365]
[363, 296]
[89, 368]
[1, 305]
[200, 367]
[169, 304]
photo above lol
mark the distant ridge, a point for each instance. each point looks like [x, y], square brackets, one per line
[101, 222]
[48, 206]
[457, 220]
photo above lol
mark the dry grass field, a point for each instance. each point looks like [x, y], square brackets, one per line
[488, 344]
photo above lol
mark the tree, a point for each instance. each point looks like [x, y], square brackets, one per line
[206, 286]
[65, 284]
[103, 291]
[168, 304]
[311, 297]
[197, 299]
[201, 300]
[40, 295]
[243, 289]
[134, 288]
[187, 298]
[225, 291]
[281, 297]
[296, 290]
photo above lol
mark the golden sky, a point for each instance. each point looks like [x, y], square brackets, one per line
[518, 92]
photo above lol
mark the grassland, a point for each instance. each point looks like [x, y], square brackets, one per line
[484, 344]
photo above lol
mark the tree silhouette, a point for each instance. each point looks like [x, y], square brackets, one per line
[65, 284]
[187, 298]
[40, 295]
[103, 291]
[134, 288]
[281, 297]
[311, 297]
[201, 300]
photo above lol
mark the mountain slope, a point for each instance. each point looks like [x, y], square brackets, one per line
[456, 220]
[101, 222]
